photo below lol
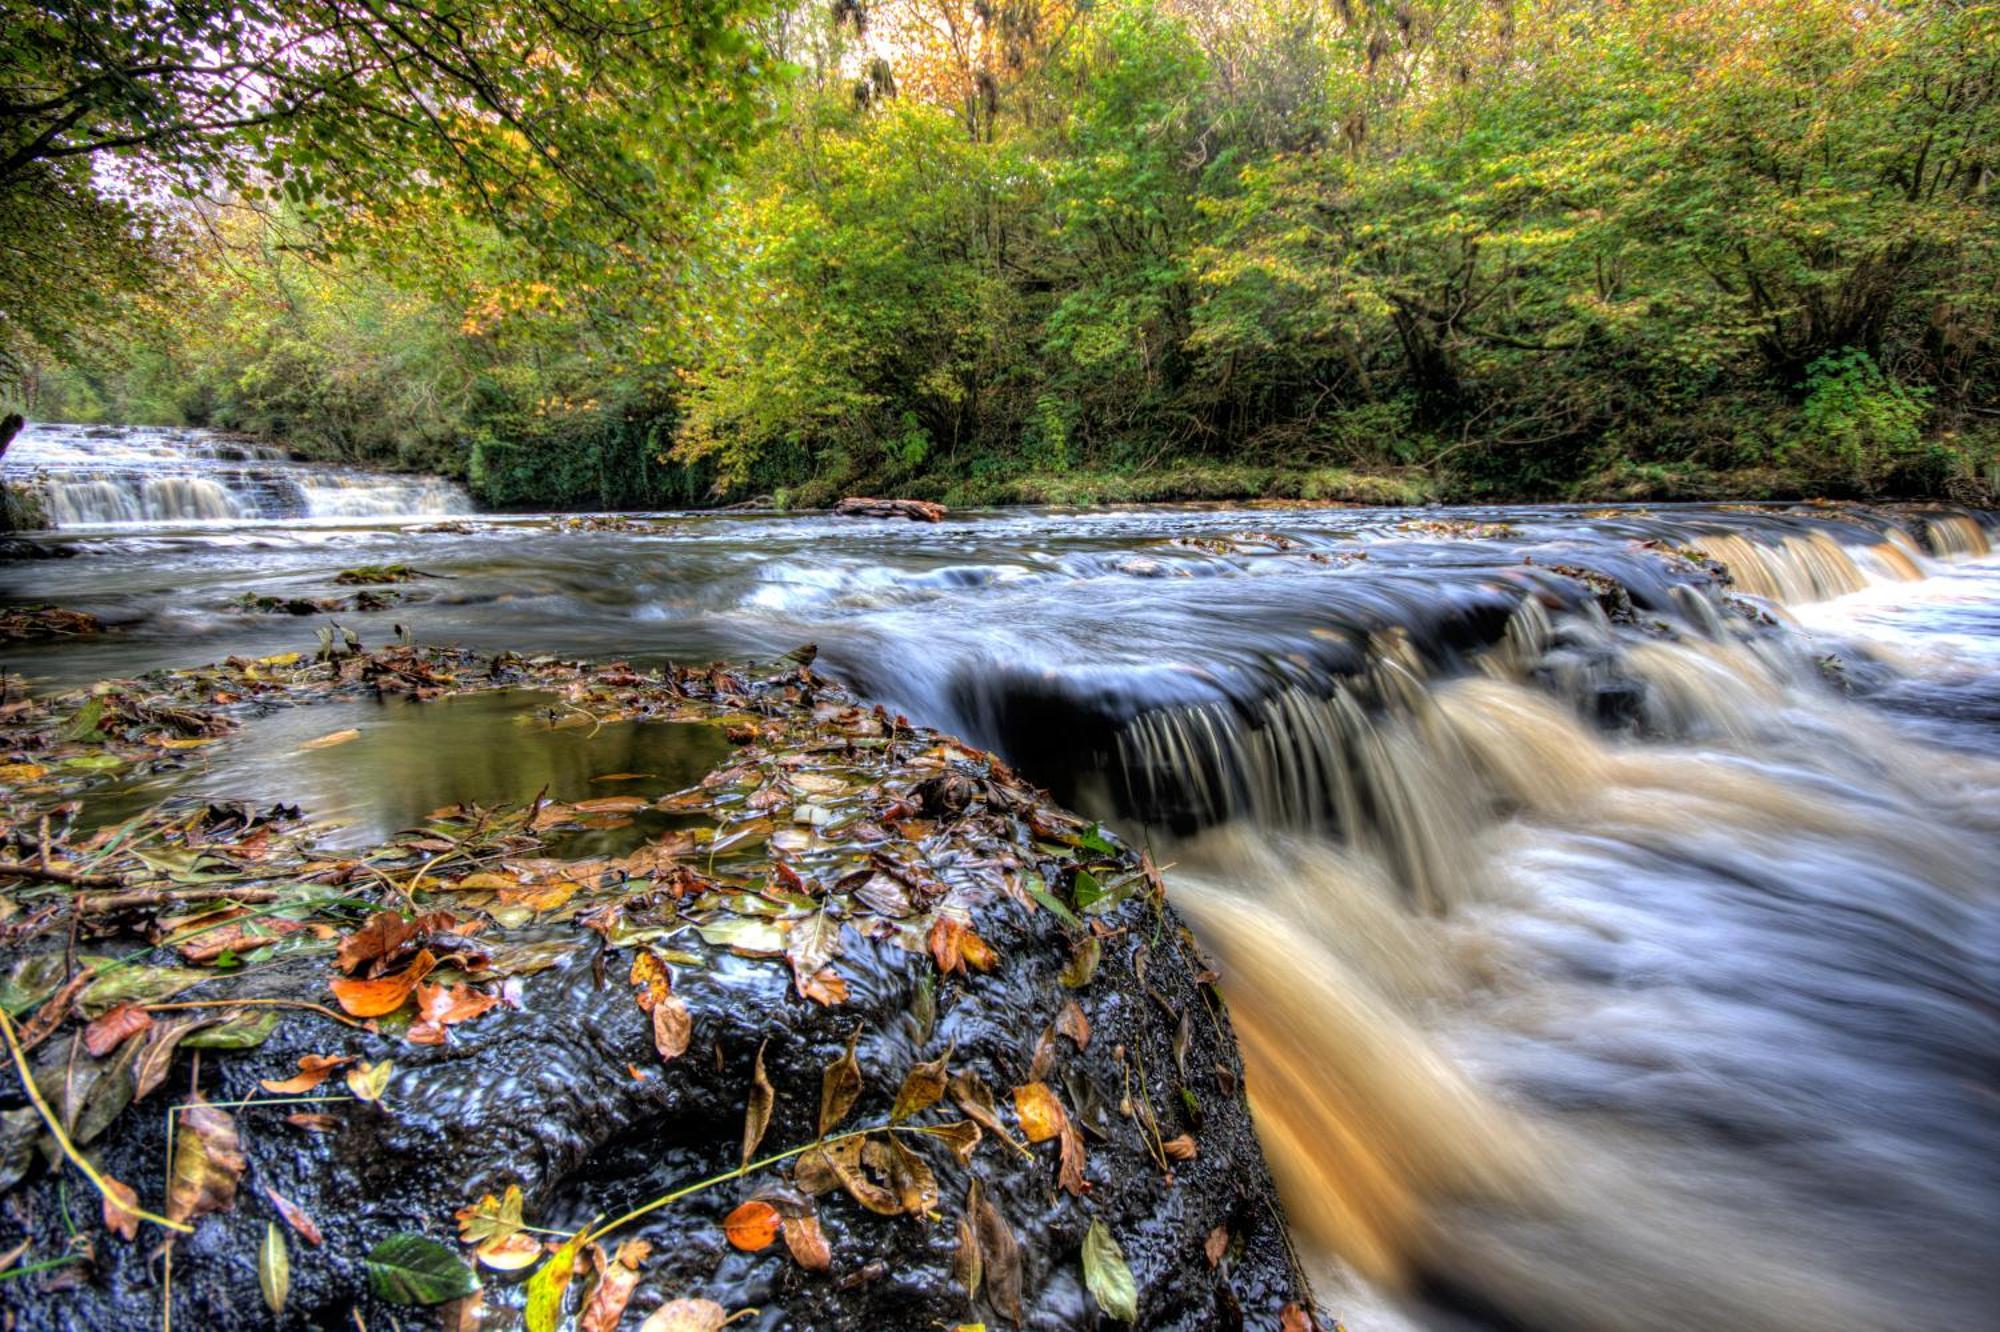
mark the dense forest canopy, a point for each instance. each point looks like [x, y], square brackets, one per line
[616, 253]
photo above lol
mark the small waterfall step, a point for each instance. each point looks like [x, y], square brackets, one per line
[121, 476]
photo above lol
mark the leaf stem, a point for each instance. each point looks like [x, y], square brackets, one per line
[62, 1139]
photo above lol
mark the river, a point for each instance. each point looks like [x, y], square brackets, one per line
[1610, 949]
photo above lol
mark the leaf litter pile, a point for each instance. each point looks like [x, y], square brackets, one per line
[873, 1037]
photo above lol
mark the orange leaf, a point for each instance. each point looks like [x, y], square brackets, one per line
[825, 986]
[807, 1241]
[1042, 1116]
[438, 1006]
[385, 994]
[107, 1033]
[1292, 1318]
[120, 1209]
[752, 1226]
[313, 1070]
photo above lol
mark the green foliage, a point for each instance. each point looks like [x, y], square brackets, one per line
[1663, 248]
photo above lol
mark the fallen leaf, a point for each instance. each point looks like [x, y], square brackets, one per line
[825, 987]
[686, 1316]
[954, 947]
[508, 1253]
[295, 1217]
[369, 1081]
[543, 1308]
[313, 1070]
[814, 942]
[922, 1087]
[966, 1267]
[999, 1254]
[108, 1032]
[208, 1162]
[1180, 1149]
[1082, 964]
[1106, 1274]
[757, 1113]
[673, 1027]
[328, 741]
[1293, 1318]
[962, 1136]
[616, 1279]
[313, 1121]
[411, 1269]
[439, 1006]
[491, 1217]
[1070, 1174]
[975, 1098]
[274, 1268]
[1042, 1116]
[806, 1238]
[752, 1226]
[381, 935]
[1072, 1023]
[121, 1207]
[906, 1174]
[1216, 1245]
[385, 994]
[156, 1058]
[839, 1087]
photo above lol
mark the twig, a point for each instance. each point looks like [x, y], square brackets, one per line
[62, 1139]
[50, 874]
[138, 897]
[307, 1005]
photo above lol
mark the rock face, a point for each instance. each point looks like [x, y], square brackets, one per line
[869, 888]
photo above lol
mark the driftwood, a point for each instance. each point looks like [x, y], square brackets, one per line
[922, 511]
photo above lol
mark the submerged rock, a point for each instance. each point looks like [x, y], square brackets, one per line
[1035, 1047]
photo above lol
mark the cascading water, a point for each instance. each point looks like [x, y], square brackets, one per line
[106, 476]
[1605, 899]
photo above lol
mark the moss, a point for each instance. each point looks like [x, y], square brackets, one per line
[21, 508]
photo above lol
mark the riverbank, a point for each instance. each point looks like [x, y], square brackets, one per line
[844, 930]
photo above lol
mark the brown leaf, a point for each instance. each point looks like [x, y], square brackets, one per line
[121, 1206]
[922, 1087]
[439, 1006]
[208, 1162]
[999, 1254]
[813, 943]
[1041, 1114]
[1082, 964]
[825, 987]
[974, 1097]
[1044, 1060]
[1070, 1173]
[962, 1136]
[313, 1121]
[954, 947]
[673, 1027]
[839, 1087]
[385, 994]
[1293, 1318]
[381, 935]
[686, 1316]
[966, 1268]
[108, 1032]
[757, 1113]
[805, 1237]
[1180, 1149]
[295, 1217]
[1072, 1023]
[752, 1226]
[616, 1281]
[1216, 1245]
[156, 1060]
[313, 1070]
[906, 1174]
[236, 937]
[839, 1163]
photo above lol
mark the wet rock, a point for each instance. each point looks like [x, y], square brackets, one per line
[976, 930]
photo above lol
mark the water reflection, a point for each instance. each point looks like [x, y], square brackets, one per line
[411, 758]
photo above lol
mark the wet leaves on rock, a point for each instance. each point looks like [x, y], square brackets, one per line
[413, 1269]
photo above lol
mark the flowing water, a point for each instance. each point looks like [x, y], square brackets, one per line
[1611, 948]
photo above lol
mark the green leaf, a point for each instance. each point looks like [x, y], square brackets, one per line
[1089, 892]
[274, 1268]
[1094, 840]
[412, 1269]
[244, 1029]
[1048, 899]
[1105, 1272]
[545, 1288]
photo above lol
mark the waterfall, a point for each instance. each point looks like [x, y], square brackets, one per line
[119, 476]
